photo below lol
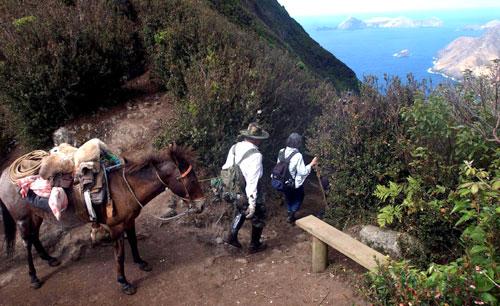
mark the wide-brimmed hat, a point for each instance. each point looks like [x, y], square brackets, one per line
[254, 131]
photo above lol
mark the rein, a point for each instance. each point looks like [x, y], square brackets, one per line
[179, 178]
[130, 188]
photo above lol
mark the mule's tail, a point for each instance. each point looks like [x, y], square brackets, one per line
[9, 226]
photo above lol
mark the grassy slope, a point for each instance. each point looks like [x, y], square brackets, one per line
[271, 21]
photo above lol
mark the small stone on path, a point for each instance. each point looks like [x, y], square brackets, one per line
[241, 260]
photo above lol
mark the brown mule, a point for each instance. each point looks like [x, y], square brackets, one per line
[131, 188]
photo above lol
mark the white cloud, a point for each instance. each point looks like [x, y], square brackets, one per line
[337, 7]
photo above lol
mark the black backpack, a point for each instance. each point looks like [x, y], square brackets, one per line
[281, 179]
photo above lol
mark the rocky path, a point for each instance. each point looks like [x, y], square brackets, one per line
[190, 264]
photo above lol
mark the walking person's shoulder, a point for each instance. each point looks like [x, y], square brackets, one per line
[294, 153]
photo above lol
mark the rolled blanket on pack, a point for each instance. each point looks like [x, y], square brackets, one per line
[90, 151]
[56, 196]
[39, 186]
[64, 149]
[55, 164]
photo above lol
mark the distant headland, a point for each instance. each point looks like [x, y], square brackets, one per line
[469, 53]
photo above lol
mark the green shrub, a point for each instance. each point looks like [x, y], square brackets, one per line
[356, 138]
[437, 144]
[58, 59]
[472, 279]
[225, 78]
[6, 134]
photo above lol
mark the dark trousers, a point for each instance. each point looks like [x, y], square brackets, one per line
[294, 198]
[38, 202]
[259, 217]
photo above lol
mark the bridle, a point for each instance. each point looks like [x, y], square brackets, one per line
[180, 177]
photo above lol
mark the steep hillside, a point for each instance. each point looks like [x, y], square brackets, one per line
[224, 63]
[270, 20]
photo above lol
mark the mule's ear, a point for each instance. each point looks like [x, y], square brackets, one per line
[125, 160]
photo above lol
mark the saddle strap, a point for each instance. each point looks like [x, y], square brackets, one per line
[109, 203]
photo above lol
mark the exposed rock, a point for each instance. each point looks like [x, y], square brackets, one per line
[76, 252]
[169, 212]
[301, 237]
[6, 277]
[241, 260]
[63, 135]
[397, 245]
[469, 53]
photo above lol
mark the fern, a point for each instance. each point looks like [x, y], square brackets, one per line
[383, 193]
[388, 214]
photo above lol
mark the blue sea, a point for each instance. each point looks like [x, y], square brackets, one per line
[370, 51]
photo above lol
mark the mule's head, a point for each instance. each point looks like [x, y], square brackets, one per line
[180, 177]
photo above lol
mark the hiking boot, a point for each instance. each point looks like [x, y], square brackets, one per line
[256, 245]
[233, 241]
[291, 217]
[252, 249]
[237, 223]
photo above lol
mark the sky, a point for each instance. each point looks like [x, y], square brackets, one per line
[299, 8]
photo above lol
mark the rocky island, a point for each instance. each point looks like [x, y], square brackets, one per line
[353, 23]
[402, 53]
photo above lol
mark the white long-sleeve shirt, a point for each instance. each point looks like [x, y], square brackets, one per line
[251, 167]
[298, 169]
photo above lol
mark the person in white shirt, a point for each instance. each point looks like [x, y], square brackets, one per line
[294, 196]
[251, 206]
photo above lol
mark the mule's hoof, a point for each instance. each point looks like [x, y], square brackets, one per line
[36, 284]
[53, 262]
[144, 266]
[129, 289]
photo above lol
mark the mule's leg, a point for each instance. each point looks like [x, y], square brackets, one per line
[132, 240]
[35, 282]
[127, 287]
[52, 261]
[27, 235]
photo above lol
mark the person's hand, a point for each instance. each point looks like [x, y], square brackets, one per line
[250, 211]
[314, 162]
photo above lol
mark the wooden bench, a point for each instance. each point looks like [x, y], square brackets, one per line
[324, 234]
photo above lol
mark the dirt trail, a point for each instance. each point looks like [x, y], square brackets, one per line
[190, 265]
[191, 268]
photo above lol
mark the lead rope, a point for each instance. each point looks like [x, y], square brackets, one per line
[180, 177]
[165, 185]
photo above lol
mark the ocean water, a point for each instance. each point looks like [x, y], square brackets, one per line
[370, 51]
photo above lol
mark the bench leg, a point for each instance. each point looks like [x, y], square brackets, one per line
[319, 255]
